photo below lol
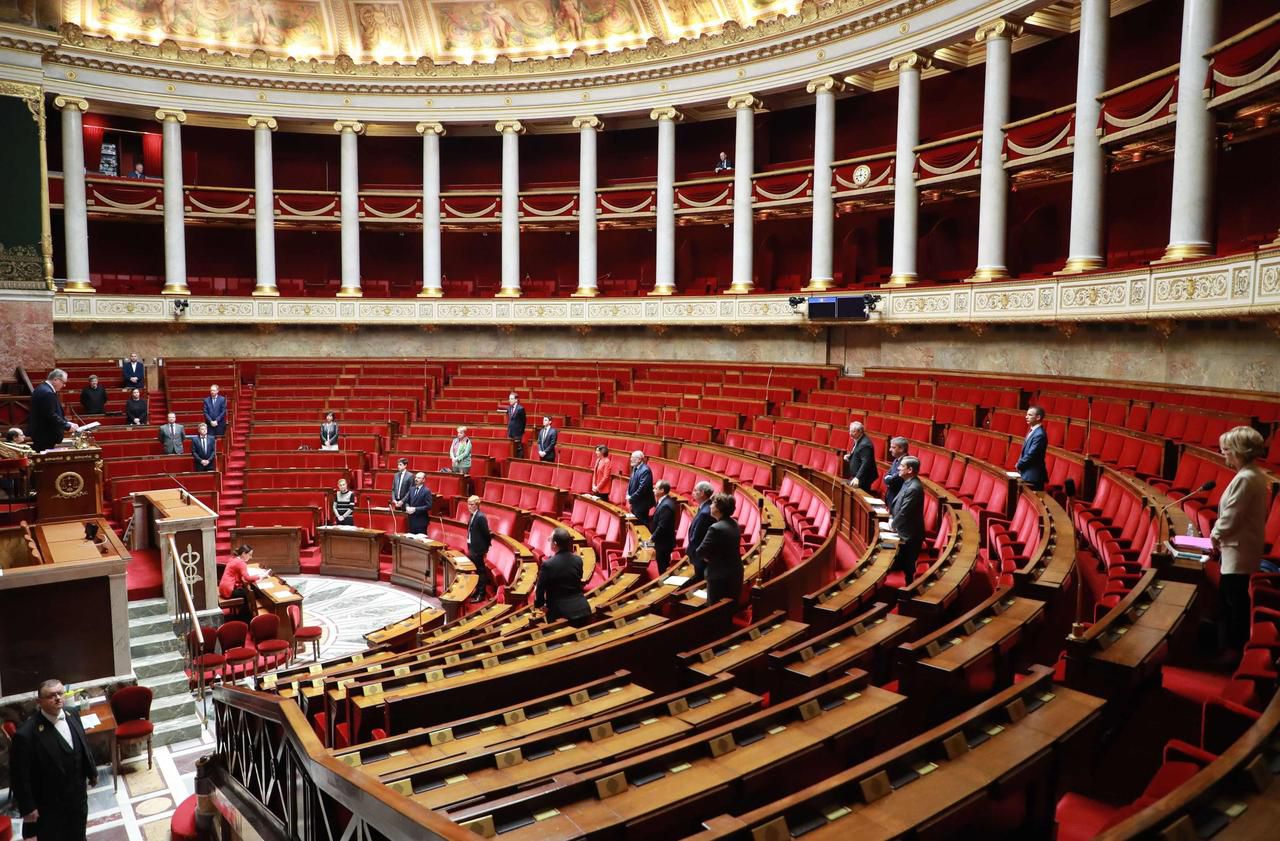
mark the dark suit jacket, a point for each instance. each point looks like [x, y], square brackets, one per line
[1031, 462]
[698, 531]
[171, 438]
[420, 500]
[48, 775]
[328, 434]
[135, 409]
[640, 491]
[722, 551]
[131, 370]
[515, 421]
[479, 538]
[48, 425]
[547, 437]
[216, 410]
[93, 400]
[401, 482]
[560, 588]
[203, 452]
[892, 483]
[860, 463]
[663, 524]
[908, 511]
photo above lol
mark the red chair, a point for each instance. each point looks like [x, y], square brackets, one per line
[131, 707]
[303, 634]
[232, 638]
[272, 651]
[206, 663]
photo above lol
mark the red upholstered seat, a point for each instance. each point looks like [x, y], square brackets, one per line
[182, 826]
[131, 707]
[272, 651]
[303, 634]
[134, 729]
[232, 639]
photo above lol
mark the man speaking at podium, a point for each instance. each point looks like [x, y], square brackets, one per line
[48, 424]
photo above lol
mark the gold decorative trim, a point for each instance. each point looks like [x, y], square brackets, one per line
[918, 60]
[256, 120]
[505, 126]
[343, 126]
[62, 101]
[827, 84]
[586, 292]
[1006, 27]
[175, 289]
[79, 287]
[588, 121]
[164, 115]
[1187, 251]
[745, 100]
[350, 292]
[899, 281]
[431, 292]
[508, 292]
[666, 112]
[1076, 265]
[265, 291]
[662, 291]
[738, 289]
[819, 284]
[427, 126]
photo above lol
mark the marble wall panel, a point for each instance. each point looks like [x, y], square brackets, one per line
[26, 335]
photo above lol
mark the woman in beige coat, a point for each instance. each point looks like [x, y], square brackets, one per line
[1238, 533]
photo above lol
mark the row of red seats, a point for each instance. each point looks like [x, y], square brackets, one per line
[821, 459]
[670, 427]
[742, 470]
[538, 498]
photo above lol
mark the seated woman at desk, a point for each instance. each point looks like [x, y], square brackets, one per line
[329, 432]
[236, 579]
[344, 505]
[135, 409]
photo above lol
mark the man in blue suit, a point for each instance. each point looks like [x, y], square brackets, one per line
[133, 374]
[547, 437]
[702, 493]
[640, 488]
[48, 424]
[418, 505]
[203, 449]
[898, 448]
[515, 423]
[215, 412]
[1031, 462]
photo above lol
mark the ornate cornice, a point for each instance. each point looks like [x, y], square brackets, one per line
[259, 120]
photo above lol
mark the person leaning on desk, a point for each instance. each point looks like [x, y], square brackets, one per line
[236, 579]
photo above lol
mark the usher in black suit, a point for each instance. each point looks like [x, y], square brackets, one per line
[50, 776]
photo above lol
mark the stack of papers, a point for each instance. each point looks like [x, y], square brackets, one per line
[676, 580]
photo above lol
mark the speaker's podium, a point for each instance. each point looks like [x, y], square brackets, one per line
[184, 529]
[68, 482]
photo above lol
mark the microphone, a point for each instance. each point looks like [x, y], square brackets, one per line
[1205, 488]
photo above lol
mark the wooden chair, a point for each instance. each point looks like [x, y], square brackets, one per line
[131, 707]
[303, 634]
[272, 651]
[232, 637]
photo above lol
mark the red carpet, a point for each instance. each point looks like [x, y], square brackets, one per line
[143, 576]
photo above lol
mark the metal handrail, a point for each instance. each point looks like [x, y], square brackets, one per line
[185, 621]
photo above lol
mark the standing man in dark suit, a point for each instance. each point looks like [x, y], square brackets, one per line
[702, 493]
[898, 447]
[860, 461]
[640, 488]
[401, 483]
[547, 437]
[908, 517]
[418, 504]
[133, 374]
[48, 424]
[1031, 463]
[479, 539]
[203, 449]
[663, 525]
[50, 768]
[171, 436]
[559, 588]
[93, 397]
[215, 412]
[515, 423]
[721, 550]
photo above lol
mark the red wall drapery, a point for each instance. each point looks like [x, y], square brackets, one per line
[153, 154]
[92, 147]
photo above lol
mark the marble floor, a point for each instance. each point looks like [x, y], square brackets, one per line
[141, 807]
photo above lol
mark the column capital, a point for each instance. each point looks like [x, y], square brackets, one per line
[745, 100]
[588, 121]
[666, 112]
[426, 128]
[63, 101]
[164, 115]
[824, 83]
[344, 126]
[260, 120]
[1006, 27]
[918, 60]
[509, 126]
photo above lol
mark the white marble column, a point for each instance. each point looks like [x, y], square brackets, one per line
[587, 127]
[993, 202]
[511, 131]
[1194, 140]
[744, 107]
[664, 269]
[264, 210]
[1088, 164]
[349, 204]
[175, 235]
[432, 277]
[75, 212]
[824, 206]
[906, 199]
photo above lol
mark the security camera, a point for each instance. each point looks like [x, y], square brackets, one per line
[795, 301]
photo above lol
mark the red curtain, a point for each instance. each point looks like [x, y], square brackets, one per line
[92, 147]
[1040, 132]
[153, 154]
